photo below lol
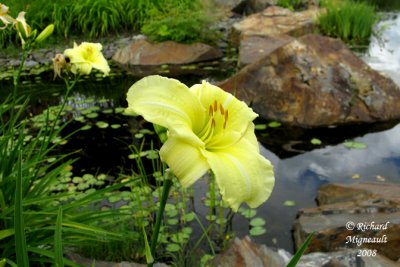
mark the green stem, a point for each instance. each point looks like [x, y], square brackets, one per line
[160, 214]
[212, 194]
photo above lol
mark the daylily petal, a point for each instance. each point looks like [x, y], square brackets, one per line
[239, 113]
[26, 27]
[242, 174]
[166, 102]
[184, 159]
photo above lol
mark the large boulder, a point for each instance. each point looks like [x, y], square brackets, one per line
[274, 21]
[252, 47]
[316, 81]
[363, 216]
[142, 52]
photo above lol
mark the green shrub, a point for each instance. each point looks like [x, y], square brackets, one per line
[291, 4]
[350, 21]
[181, 21]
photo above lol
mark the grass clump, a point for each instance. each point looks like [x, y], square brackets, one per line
[350, 21]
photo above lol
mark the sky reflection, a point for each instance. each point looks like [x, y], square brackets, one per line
[298, 178]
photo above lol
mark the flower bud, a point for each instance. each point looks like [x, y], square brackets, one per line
[59, 63]
[45, 33]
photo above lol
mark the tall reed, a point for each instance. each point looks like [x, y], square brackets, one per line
[350, 21]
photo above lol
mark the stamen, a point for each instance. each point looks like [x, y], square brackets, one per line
[221, 108]
[210, 112]
[212, 123]
[215, 105]
[226, 119]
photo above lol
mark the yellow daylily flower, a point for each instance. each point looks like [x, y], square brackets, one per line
[208, 129]
[23, 28]
[4, 17]
[86, 56]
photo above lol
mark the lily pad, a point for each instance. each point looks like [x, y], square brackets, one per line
[274, 124]
[115, 126]
[102, 124]
[257, 222]
[258, 230]
[92, 115]
[355, 145]
[315, 141]
[289, 203]
[260, 126]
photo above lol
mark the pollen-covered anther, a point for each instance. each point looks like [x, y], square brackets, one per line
[225, 118]
[221, 109]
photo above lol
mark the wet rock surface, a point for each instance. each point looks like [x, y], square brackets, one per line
[364, 217]
[316, 81]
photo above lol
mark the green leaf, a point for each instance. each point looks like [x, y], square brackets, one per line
[289, 203]
[258, 230]
[173, 247]
[149, 257]
[248, 213]
[300, 252]
[102, 124]
[260, 127]
[315, 141]
[92, 115]
[257, 222]
[274, 124]
[6, 233]
[58, 248]
[355, 145]
[189, 216]
[19, 226]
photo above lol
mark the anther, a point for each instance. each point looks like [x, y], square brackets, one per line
[210, 112]
[221, 108]
[225, 118]
[215, 105]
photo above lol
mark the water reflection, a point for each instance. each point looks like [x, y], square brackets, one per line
[383, 53]
[298, 178]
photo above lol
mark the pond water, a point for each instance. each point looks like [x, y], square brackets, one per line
[301, 168]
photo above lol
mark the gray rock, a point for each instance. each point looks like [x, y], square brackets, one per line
[344, 258]
[245, 253]
[362, 218]
[96, 263]
[316, 81]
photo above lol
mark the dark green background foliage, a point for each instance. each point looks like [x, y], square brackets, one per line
[179, 20]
